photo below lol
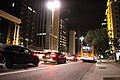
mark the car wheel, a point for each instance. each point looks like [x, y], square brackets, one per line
[76, 60]
[36, 61]
[58, 62]
[63, 61]
[8, 64]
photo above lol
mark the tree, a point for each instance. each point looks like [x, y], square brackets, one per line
[98, 38]
[89, 37]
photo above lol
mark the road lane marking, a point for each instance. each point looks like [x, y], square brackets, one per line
[83, 74]
[37, 68]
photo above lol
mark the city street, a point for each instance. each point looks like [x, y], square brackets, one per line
[68, 71]
[60, 40]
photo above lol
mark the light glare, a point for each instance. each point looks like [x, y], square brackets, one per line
[53, 5]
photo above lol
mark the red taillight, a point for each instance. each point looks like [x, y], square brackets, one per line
[34, 54]
[53, 55]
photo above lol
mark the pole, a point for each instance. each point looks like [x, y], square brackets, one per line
[52, 30]
[17, 37]
[81, 48]
[81, 38]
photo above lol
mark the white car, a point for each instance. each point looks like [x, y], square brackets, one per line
[72, 58]
[40, 54]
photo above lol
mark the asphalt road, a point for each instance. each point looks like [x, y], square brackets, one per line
[68, 71]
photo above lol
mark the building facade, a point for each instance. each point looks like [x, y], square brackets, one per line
[36, 27]
[9, 28]
[72, 34]
[26, 10]
[62, 36]
[113, 21]
[64, 30]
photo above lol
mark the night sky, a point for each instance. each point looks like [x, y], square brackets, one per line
[85, 14]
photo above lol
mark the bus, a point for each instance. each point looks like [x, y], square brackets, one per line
[87, 53]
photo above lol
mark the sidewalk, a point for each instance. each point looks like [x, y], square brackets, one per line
[103, 71]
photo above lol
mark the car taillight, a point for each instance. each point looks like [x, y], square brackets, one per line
[34, 54]
[52, 55]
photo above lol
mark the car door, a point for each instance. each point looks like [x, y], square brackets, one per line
[28, 55]
[20, 55]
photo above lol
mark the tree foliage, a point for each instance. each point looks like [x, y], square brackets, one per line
[98, 38]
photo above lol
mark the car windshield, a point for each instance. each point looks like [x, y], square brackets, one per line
[87, 49]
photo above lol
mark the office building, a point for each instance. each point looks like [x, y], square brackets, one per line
[9, 28]
[113, 21]
[62, 36]
[26, 11]
[64, 30]
[36, 27]
[72, 34]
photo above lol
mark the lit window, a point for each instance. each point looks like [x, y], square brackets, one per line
[30, 8]
[34, 11]
[13, 4]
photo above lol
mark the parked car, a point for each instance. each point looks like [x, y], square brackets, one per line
[55, 57]
[14, 54]
[40, 54]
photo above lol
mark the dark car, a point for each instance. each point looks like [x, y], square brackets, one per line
[55, 57]
[14, 54]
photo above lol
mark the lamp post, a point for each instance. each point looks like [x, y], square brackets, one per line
[52, 5]
[81, 38]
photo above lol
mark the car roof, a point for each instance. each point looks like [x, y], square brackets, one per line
[4, 45]
[7, 45]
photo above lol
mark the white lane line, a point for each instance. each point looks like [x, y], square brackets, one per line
[15, 72]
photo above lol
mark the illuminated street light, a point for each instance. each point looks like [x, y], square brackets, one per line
[81, 38]
[52, 5]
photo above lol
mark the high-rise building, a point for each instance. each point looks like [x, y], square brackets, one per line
[26, 10]
[62, 36]
[72, 34]
[37, 28]
[113, 21]
[64, 30]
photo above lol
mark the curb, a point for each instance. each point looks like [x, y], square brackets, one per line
[99, 61]
[89, 75]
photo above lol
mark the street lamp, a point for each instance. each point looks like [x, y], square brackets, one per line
[81, 38]
[52, 5]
